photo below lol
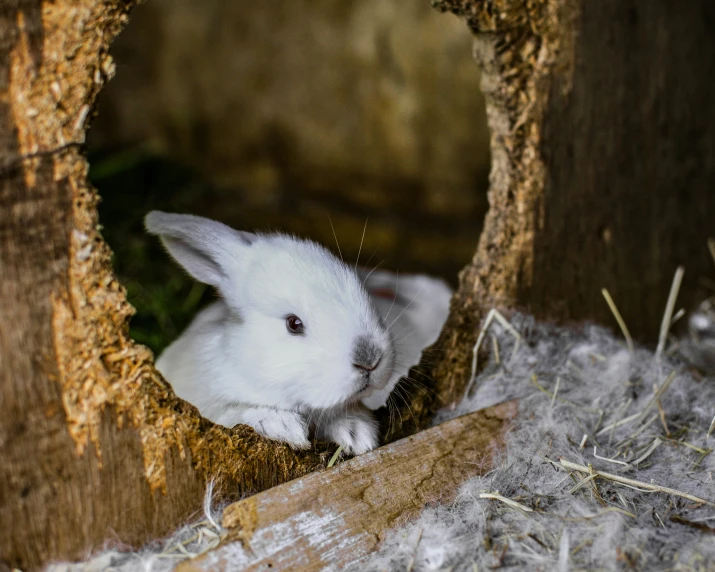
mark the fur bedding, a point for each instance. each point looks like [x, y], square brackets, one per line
[584, 399]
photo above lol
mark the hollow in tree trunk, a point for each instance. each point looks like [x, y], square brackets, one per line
[603, 148]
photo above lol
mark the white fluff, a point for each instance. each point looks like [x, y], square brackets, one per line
[238, 362]
[566, 531]
[699, 347]
[574, 531]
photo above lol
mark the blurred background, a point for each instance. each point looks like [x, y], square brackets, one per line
[285, 115]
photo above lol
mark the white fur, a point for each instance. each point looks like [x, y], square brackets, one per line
[238, 363]
[356, 429]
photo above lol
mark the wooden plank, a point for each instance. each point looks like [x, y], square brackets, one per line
[334, 518]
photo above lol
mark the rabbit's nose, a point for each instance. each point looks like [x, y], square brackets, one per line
[366, 354]
[365, 368]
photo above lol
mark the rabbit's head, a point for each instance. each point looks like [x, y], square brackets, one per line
[303, 328]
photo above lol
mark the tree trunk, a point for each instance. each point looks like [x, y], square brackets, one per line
[602, 141]
[603, 150]
[93, 443]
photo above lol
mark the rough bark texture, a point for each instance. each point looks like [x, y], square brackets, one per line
[603, 150]
[337, 517]
[93, 444]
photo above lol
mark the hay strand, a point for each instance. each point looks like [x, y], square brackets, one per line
[493, 314]
[711, 248]
[556, 390]
[640, 485]
[669, 308]
[619, 319]
[510, 502]
[657, 395]
[335, 456]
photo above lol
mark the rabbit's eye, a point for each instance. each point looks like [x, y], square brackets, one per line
[295, 324]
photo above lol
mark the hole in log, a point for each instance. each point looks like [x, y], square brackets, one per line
[572, 109]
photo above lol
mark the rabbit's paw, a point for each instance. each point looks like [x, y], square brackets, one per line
[279, 425]
[356, 432]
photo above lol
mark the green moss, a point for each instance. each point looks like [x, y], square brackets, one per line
[132, 182]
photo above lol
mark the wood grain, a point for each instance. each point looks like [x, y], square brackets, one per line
[331, 519]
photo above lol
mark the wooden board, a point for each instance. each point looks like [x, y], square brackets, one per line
[340, 515]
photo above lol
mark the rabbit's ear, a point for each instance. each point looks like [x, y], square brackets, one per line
[417, 299]
[209, 250]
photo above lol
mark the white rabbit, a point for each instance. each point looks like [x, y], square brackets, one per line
[294, 343]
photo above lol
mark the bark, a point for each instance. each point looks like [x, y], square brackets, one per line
[603, 168]
[336, 517]
[93, 443]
